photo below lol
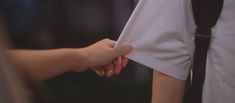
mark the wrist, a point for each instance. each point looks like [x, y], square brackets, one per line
[80, 59]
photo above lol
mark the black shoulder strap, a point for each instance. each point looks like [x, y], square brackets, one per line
[206, 14]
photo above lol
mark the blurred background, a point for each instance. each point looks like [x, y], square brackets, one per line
[49, 24]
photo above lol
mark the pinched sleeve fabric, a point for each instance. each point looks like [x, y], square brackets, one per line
[161, 32]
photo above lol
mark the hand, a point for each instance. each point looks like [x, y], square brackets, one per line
[112, 68]
[104, 59]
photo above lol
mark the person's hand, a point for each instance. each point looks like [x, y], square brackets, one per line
[106, 60]
[111, 68]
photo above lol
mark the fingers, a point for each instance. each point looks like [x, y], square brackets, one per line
[124, 62]
[118, 65]
[113, 68]
[110, 54]
[109, 43]
[123, 51]
[109, 70]
[120, 51]
[100, 71]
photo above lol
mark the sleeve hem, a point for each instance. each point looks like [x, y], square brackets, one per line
[155, 64]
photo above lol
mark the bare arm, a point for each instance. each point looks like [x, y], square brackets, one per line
[166, 89]
[44, 64]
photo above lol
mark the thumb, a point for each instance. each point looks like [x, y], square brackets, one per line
[123, 50]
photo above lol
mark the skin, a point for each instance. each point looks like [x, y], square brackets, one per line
[102, 57]
[166, 89]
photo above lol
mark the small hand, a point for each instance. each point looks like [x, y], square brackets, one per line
[105, 59]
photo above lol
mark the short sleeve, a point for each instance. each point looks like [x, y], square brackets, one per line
[161, 32]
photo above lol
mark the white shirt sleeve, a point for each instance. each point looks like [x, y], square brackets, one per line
[161, 32]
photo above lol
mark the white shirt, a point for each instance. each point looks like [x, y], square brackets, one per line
[162, 33]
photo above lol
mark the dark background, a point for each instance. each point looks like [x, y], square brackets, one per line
[50, 24]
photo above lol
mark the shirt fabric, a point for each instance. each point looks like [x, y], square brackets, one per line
[162, 33]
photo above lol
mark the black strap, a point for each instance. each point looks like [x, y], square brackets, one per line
[206, 14]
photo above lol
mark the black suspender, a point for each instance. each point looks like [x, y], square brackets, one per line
[206, 14]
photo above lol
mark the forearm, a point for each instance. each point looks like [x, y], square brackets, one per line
[44, 64]
[166, 89]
